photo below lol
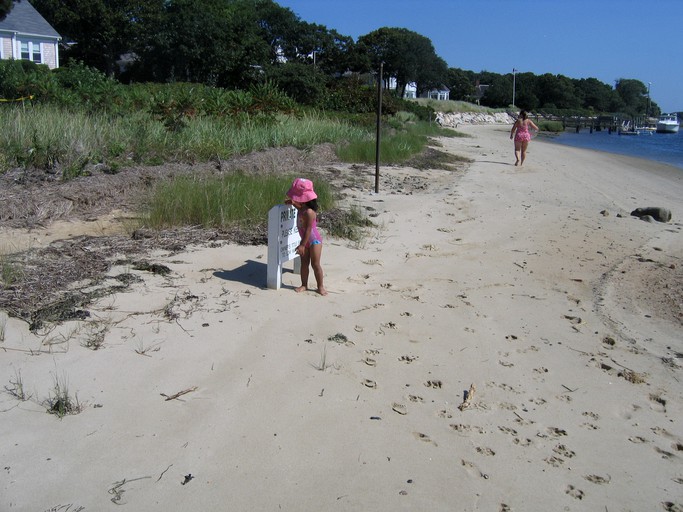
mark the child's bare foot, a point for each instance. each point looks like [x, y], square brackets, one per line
[300, 289]
[322, 291]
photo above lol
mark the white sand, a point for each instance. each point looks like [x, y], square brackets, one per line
[508, 278]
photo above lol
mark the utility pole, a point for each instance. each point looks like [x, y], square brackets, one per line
[647, 114]
[513, 86]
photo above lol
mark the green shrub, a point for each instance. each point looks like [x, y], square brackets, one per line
[22, 78]
[550, 126]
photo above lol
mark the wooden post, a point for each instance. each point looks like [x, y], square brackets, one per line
[380, 86]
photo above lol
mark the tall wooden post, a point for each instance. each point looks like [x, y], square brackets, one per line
[380, 86]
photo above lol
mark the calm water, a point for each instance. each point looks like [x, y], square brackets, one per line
[661, 147]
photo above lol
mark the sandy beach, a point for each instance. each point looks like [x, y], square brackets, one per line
[532, 287]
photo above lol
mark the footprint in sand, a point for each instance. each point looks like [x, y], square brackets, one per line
[658, 403]
[372, 351]
[472, 469]
[665, 455]
[597, 479]
[485, 451]
[590, 426]
[445, 413]
[574, 492]
[407, 359]
[556, 432]
[522, 442]
[508, 430]
[637, 440]
[399, 408]
[561, 449]
[370, 361]
[424, 437]
[464, 429]
[555, 462]
[369, 383]
[415, 398]
[592, 415]
[436, 384]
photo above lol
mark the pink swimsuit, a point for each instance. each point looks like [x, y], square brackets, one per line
[315, 234]
[522, 133]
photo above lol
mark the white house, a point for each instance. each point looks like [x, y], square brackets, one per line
[25, 35]
[438, 93]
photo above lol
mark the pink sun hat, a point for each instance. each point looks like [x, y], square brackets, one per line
[302, 191]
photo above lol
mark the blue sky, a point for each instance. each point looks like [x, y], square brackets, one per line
[603, 39]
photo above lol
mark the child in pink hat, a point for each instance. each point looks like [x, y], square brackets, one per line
[302, 196]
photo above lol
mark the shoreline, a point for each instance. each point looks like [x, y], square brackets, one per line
[533, 283]
[676, 165]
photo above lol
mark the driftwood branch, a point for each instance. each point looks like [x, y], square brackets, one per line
[179, 393]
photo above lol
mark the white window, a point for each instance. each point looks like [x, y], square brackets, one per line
[31, 50]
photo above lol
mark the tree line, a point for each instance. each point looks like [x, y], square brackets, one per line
[236, 44]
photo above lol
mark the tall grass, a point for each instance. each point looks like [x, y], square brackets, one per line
[221, 202]
[401, 139]
[50, 137]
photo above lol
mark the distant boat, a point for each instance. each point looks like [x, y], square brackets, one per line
[628, 129]
[668, 123]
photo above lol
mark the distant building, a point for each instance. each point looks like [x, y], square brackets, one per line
[438, 93]
[25, 35]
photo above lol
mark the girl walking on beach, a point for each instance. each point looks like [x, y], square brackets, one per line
[520, 132]
[302, 196]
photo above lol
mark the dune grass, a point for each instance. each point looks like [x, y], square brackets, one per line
[50, 137]
[221, 202]
[401, 139]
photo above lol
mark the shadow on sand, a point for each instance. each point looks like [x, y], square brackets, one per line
[252, 273]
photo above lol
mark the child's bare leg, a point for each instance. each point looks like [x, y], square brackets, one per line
[305, 261]
[315, 252]
[518, 149]
[524, 146]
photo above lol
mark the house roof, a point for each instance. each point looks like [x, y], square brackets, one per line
[24, 19]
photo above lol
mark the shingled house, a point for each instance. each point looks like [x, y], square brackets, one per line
[25, 35]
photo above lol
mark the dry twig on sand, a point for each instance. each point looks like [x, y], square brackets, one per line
[179, 393]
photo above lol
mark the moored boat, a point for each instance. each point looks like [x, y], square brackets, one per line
[668, 123]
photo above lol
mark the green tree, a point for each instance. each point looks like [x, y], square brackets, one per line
[407, 56]
[633, 93]
[99, 31]
[300, 81]
[5, 8]
[596, 94]
[461, 83]
[557, 91]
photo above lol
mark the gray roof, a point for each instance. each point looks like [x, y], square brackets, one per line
[24, 19]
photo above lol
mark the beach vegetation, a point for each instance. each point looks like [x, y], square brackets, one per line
[324, 364]
[16, 387]
[403, 137]
[60, 402]
[10, 271]
[237, 199]
[95, 335]
[550, 126]
[3, 326]
[349, 223]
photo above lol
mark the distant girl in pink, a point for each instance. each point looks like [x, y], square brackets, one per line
[522, 136]
[302, 196]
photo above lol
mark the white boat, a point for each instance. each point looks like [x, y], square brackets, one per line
[668, 123]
